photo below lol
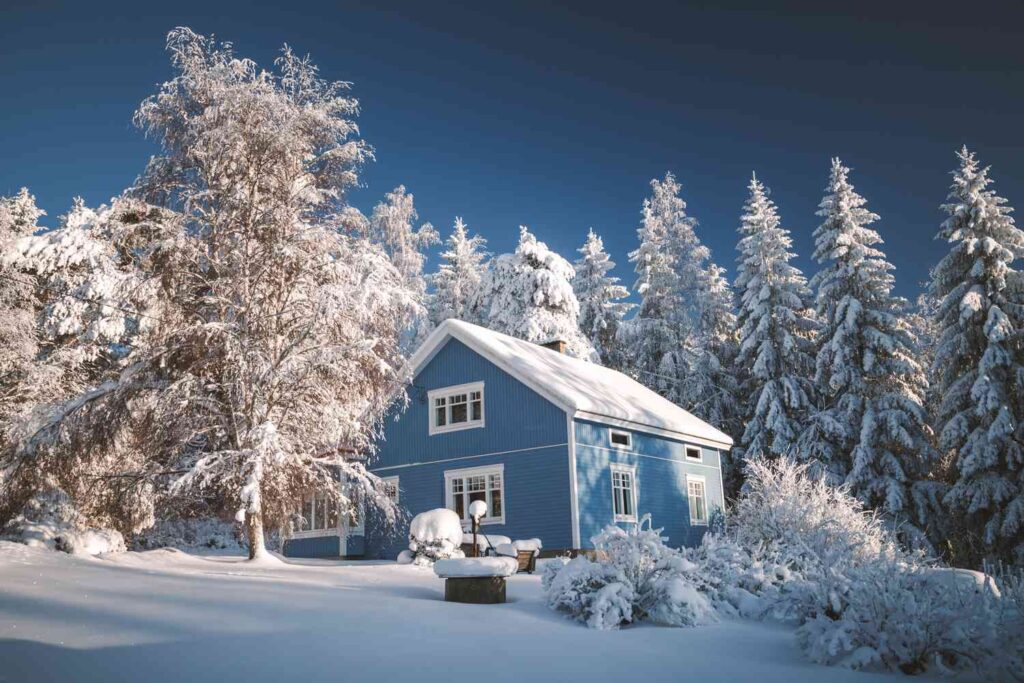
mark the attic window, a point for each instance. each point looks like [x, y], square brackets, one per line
[455, 408]
[693, 453]
[620, 439]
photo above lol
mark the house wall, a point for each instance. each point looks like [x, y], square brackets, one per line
[523, 430]
[661, 469]
[316, 546]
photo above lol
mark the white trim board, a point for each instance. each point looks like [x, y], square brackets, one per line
[574, 493]
[692, 463]
[465, 457]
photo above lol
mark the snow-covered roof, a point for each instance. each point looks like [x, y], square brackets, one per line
[582, 389]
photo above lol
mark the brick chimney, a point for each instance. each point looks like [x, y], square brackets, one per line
[558, 345]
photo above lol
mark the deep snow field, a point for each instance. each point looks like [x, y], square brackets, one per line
[164, 615]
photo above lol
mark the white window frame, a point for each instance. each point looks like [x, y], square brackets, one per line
[691, 449]
[628, 446]
[620, 468]
[315, 533]
[358, 529]
[446, 393]
[704, 484]
[393, 483]
[485, 471]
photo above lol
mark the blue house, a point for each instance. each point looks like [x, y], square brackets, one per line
[557, 447]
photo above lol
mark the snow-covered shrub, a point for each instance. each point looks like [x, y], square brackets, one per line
[636, 576]
[597, 594]
[911, 618]
[435, 535]
[739, 581]
[549, 570]
[50, 520]
[191, 534]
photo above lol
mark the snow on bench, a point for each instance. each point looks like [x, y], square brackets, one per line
[476, 567]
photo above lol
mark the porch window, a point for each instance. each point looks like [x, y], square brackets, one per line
[455, 408]
[695, 492]
[462, 487]
[624, 493]
[318, 513]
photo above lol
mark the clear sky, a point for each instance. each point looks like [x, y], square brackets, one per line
[557, 118]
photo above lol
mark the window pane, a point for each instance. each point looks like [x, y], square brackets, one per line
[476, 411]
[307, 515]
[460, 506]
[476, 483]
[440, 417]
[459, 413]
[617, 498]
[332, 515]
[457, 485]
[320, 514]
[477, 495]
[627, 501]
[495, 503]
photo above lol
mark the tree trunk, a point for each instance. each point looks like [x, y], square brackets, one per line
[254, 532]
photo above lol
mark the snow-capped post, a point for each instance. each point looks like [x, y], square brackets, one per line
[477, 510]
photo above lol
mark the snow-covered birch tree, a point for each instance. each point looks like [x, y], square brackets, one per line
[601, 299]
[871, 430]
[776, 326]
[530, 296]
[271, 349]
[979, 363]
[392, 225]
[459, 276]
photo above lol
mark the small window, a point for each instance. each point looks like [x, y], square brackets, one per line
[463, 487]
[391, 488]
[698, 500]
[623, 493]
[693, 453]
[455, 408]
[620, 439]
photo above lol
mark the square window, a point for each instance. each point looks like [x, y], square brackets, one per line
[693, 453]
[620, 439]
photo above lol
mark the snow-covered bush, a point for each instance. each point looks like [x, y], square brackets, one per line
[50, 520]
[635, 576]
[739, 581]
[910, 618]
[435, 535]
[192, 534]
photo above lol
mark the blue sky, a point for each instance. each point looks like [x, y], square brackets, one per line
[557, 118]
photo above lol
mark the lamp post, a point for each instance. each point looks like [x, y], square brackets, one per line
[477, 510]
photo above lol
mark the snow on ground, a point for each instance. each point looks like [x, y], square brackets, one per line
[164, 615]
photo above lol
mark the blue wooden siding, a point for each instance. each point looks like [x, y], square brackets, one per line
[661, 470]
[318, 546]
[523, 431]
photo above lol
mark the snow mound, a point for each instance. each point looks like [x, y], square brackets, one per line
[49, 520]
[435, 535]
[475, 567]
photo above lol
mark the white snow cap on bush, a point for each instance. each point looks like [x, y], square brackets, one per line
[435, 535]
[468, 567]
[435, 526]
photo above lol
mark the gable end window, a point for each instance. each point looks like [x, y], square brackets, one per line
[697, 496]
[694, 454]
[620, 439]
[455, 408]
[463, 487]
[623, 493]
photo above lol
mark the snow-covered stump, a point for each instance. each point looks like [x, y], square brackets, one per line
[475, 580]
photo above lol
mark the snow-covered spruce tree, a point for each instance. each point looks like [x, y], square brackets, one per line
[775, 328]
[392, 226]
[273, 349]
[459, 276]
[19, 340]
[979, 364]
[670, 266]
[710, 389]
[871, 431]
[601, 299]
[92, 304]
[530, 296]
